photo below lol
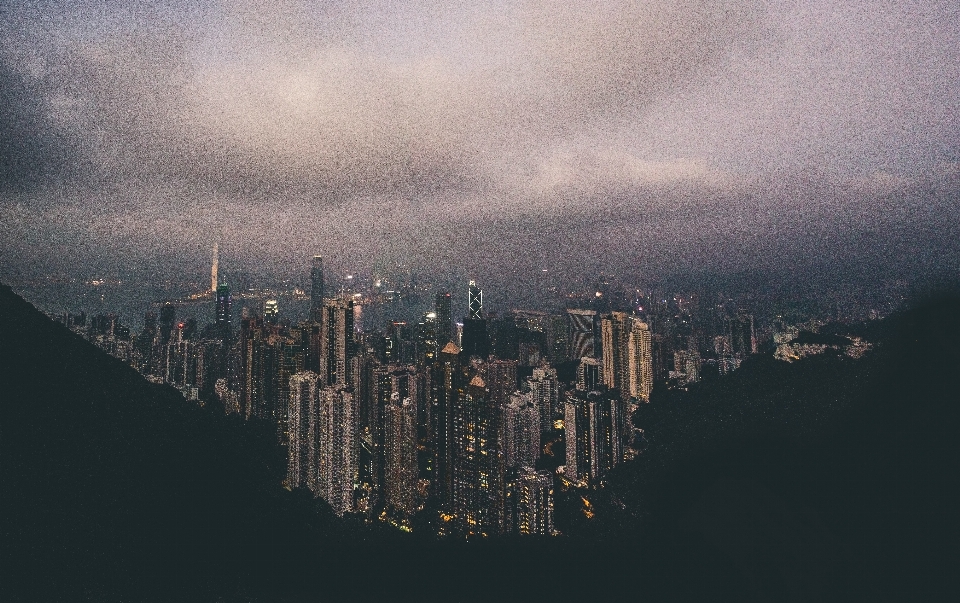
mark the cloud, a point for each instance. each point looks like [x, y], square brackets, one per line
[402, 126]
[353, 101]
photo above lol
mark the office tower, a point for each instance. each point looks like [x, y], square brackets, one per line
[214, 269]
[400, 447]
[271, 312]
[521, 431]
[640, 360]
[594, 429]
[505, 337]
[337, 344]
[445, 384]
[333, 426]
[476, 341]
[444, 328]
[582, 327]
[589, 375]
[475, 300]
[316, 288]
[534, 493]
[300, 445]
[545, 389]
[223, 311]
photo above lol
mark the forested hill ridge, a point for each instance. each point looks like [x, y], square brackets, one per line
[830, 478]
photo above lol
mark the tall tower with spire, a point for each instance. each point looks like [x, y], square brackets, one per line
[213, 269]
[476, 341]
[476, 301]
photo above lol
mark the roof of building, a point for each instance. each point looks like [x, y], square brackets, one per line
[450, 348]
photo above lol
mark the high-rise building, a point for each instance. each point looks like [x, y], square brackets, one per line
[475, 299]
[271, 312]
[476, 489]
[589, 374]
[476, 341]
[337, 344]
[251, 364]
[545, 389]
[615, 331]
[316, 287]
[520, 441]
[223, 312]
[582, 331]
[400, 447]
[741, 334]
[214, 268]
[333, 426]
[640, 360]
[445, 383]
[444, 329]
[501, 378]
[300, 445]
[535, 502]
[593, 422]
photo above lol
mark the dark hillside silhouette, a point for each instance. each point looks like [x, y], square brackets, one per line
[826, 479]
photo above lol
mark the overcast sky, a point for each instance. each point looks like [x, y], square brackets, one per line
[498, 136]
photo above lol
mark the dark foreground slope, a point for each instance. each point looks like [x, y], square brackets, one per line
[117, 489]
[828, 479]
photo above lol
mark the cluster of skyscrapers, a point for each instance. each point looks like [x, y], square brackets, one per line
[467, 427]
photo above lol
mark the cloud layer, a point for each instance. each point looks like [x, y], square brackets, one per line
[402, 113]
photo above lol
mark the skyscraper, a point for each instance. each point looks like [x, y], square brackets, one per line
[334, 434]
[615, 333]
[316, 287]
[400, 447]
[476, 340]
[640, 360]
[545, 389]
[476, 487]
[303, 396]
[444, 327]
[582, 330]
[475, 299]
[594, 430]
[223, 317]
[589, 374]
[214, 269]
[445, 383]
[521, 431]
[337, 344]
[535, 502]
[271, 312]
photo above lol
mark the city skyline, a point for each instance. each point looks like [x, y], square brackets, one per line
[372, 300]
